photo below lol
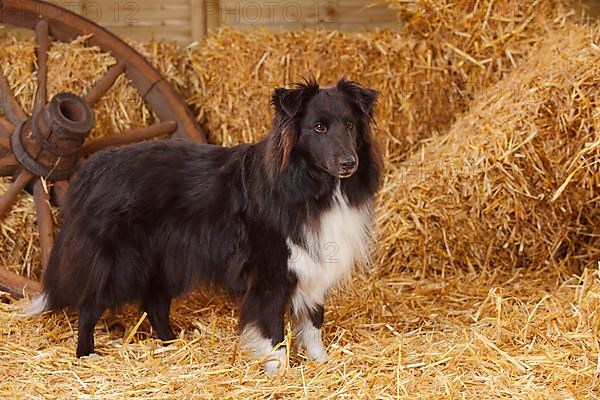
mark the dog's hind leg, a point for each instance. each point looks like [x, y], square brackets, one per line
[88, 317]
[157, 306]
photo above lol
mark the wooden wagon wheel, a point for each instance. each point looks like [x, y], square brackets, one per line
[47, 145]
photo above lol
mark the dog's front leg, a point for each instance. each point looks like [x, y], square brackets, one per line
[262, 323]
[307, 329]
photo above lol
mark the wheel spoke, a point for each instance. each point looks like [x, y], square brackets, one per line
[8, 164]
[4, 144]
[17, 285]
[60, 190]
[103, 84]
[8, 102]
[44, 220]
[41, 53]
[131, 136]
[10, 196]
[6, 128]
[7, 159]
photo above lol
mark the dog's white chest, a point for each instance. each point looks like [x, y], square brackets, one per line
[341, 239]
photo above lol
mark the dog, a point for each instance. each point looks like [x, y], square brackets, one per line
[277, 223]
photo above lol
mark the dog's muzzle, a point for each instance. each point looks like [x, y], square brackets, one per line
[348, 166]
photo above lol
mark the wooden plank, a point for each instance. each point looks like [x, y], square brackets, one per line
[245, 13]
[151, 19]
[359, 14]
[182, 35]
[189, 20]
[145, 25]
[235, 16]
[152, 16]
[107, 6]
[212, 13]
[197, 20]
[249, 12]
[18, 285]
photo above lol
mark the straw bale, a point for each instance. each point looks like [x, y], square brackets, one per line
[71, 67]
[228, 77]
[426, 76]
[515, 181]
[19, 237]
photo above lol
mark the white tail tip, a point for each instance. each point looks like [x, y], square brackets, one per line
[36, 306]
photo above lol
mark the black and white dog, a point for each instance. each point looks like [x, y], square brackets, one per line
[277, 222]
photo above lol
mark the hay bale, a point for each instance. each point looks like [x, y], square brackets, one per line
[19, 239]
[424, 76]
[428, 71]
[515, 181]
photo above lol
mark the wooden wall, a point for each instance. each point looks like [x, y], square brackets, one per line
[189, 20]
[350, 15]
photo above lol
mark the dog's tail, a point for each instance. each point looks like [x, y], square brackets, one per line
[36, 306]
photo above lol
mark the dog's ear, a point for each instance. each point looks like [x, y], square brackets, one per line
[288, 102]
[364, 98]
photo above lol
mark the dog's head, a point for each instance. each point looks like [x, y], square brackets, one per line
[326, 126]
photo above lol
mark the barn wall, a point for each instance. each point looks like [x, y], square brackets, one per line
[189, 20]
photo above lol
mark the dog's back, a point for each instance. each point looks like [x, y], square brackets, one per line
[126, 214]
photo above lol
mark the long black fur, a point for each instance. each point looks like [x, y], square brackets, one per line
[147, 222]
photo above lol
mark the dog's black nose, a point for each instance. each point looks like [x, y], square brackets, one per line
[348, 165]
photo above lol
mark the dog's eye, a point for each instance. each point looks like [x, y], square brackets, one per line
[320, 128]
[349, 125]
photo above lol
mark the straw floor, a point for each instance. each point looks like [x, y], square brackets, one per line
[485, 275]
[491, 334]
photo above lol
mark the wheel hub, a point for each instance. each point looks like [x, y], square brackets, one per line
[49, 144]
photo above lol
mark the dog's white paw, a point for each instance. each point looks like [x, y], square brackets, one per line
[260, 348]
[316, 351]
[310, 339]
[275, 362]
[91, 357]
